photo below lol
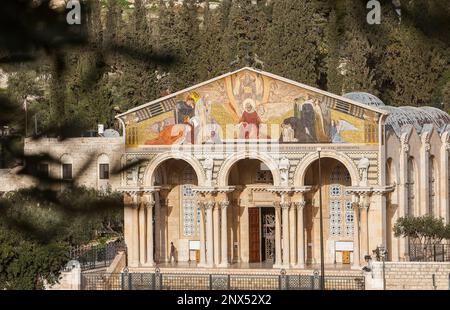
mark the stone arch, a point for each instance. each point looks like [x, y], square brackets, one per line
[66, 159]
[302, 168]
[222, 178]
[153, 165]
[391, 172]
[103, 159]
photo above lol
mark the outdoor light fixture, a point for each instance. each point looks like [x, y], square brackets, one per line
[382, 252]
[322, 260]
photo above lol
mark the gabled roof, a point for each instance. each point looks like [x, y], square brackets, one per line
[271, 75]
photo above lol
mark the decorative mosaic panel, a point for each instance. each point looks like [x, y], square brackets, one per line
[249, 105]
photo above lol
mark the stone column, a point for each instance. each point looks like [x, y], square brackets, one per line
[285, 227]
[403, 194]
[278, 262]
[365, 224]
[131, 228]
[224, 234]
[444, 186]
[292, 236]
[300, 234]
[158, 227]
[356, 252]
[424, 172]
[202, 262]
[209, 234]
[150, 255]
[142, 248]
[216, 233]
[134, 247]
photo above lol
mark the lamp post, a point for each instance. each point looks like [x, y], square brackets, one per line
[383, 253]
[322, 263]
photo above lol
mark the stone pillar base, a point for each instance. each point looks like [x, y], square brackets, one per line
[299, 266]
[278, 266]
[134, 264]
[223, 265]
[149, 265]
[206, 265]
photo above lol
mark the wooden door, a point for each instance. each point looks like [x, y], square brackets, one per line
[346, 257]
[254, 235]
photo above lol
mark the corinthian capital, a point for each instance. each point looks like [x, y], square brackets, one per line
[285, 205]
[224, 204]
[300, 204]
[149, 204]
[209, 205]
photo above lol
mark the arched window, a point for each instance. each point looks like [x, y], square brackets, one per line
[190, 211]
[410, 186]
[103, 167]
[341, 209]
[431, 186]
[390, 179]
[263, 174]
[66, 167]
[448, 181]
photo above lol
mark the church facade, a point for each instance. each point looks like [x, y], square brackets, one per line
[234, 170]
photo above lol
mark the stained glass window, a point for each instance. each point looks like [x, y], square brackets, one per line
[410, 187]
[335, 218]
[190, 211]
[341, 210]
[349, 218]
[432, 186]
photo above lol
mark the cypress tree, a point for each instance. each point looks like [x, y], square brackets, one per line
[165, 44]
[411, 68]
[357, 51]
[292, 46]
[333, 58]
[186, 43]
[138, 71]
[211, 50]
[242, 34]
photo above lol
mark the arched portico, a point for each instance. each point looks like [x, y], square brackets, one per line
[308, 160]
[224, 172]
[153, 165]
[161, 215]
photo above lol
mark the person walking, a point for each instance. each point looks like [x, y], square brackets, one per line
[172, 253]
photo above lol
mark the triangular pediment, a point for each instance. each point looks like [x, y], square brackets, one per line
[260, 105]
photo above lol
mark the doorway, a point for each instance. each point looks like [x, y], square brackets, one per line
[254, 235]
[268, 234]
[261, 234]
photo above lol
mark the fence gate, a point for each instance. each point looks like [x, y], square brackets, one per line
[203, 281]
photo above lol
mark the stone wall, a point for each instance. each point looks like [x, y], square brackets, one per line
[84, 155]
[68, 280]
[11, 181]
[410, 276]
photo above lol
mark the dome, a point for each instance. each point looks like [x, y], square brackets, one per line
[365, 98]
[416, 116]
[400, 116]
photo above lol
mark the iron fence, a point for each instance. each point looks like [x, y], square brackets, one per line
[419, 252]
[201, 281]
[96, 256]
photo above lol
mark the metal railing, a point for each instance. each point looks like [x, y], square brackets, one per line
[419, 252]
[203, 281]
[97, 256]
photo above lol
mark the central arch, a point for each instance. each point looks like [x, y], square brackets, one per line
[149, 176]
[308, 160]
[224, 172]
